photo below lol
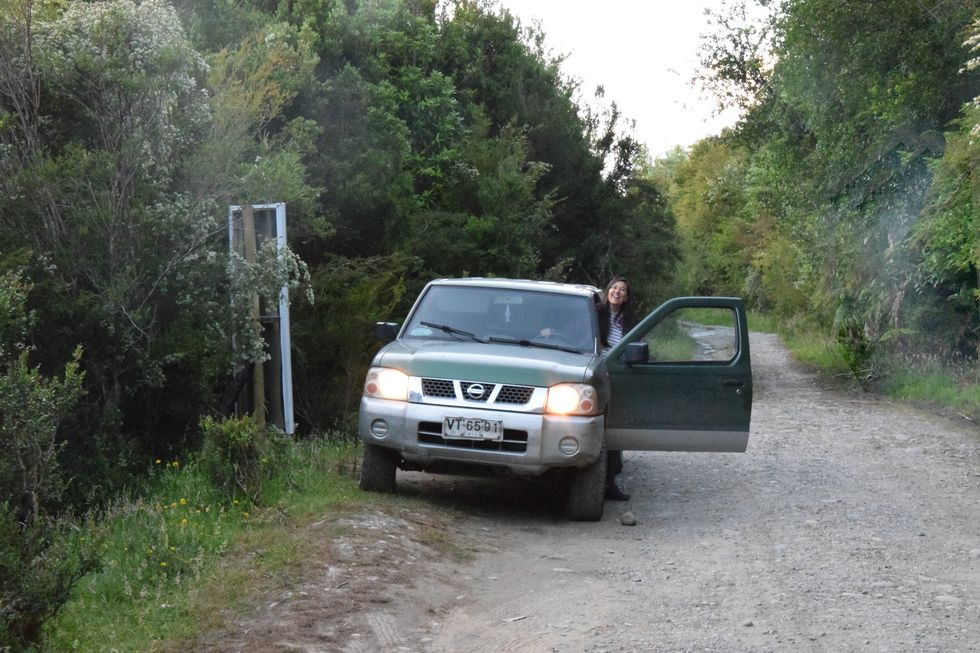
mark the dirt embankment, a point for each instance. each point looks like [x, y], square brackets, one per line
[851, 524]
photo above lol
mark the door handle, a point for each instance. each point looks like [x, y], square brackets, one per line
[737, 383]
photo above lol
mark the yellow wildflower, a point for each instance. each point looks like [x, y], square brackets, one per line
[183, 501]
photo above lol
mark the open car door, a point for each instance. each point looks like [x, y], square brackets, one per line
[681, 380]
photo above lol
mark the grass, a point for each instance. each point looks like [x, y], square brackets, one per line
[818, 350]
[762, 323]
[178, 553]
[669, 342]
[956, 389]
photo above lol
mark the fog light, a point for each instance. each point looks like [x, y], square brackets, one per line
[568, 446]
[379, 428]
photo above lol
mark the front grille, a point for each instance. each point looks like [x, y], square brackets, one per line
[514, 441]
[438, 388]
[514, 394]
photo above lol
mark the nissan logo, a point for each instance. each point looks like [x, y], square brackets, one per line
[475, 391]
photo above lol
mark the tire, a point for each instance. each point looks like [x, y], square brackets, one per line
[378, 469]
[587, 492]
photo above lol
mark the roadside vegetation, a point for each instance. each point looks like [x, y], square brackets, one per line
[187, 545]
[940, 385]
[843, 205]
[412, 139]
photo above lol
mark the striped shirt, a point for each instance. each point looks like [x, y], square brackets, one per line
[615, 331]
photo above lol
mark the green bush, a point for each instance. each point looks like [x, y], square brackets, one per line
[238, 453]
[39, 566]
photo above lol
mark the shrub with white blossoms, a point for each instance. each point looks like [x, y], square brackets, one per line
[973, 44]
[129, 69]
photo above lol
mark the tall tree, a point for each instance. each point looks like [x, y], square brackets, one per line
[842, 132]
[116, 167]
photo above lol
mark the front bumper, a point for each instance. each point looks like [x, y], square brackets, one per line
[531, 440]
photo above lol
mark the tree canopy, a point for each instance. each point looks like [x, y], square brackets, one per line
[847, 192]
[408, 139]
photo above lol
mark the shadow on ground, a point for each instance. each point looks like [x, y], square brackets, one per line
[536, 499]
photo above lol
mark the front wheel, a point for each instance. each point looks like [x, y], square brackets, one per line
[587, 492]
[378, 469]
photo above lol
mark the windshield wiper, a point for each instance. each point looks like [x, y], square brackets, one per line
[533, 343]
[453, 331]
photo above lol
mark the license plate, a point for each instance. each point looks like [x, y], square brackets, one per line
[473, 428]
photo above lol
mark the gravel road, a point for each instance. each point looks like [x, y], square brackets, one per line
[851, 524]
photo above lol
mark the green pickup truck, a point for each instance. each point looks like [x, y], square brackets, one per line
[510, 375]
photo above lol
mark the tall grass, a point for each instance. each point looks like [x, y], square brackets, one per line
[163, 548]
[956, 388]
[818, 350]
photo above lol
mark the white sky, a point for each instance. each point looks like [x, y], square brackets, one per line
[643, 52]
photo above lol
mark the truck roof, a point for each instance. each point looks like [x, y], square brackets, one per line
[520, 284]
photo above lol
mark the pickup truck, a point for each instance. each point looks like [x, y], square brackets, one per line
[511, 376]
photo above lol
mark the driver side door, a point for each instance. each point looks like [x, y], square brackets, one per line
[681, 380]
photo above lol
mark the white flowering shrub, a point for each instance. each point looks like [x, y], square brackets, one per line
[273, 271]
[120, 150]
[130, 72]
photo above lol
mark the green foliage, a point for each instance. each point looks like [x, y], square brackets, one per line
[40, 563]
[32, 406]
[238, 454]
[40, 555]
[497, 224]
[334, 339]
[120, 202]
[15, 319]
[155, 547]
[946, 238]
[938, 384]
[177, 547]
[708, 198]
[406, 141]
[839, 196]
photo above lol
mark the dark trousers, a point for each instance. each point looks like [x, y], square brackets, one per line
[614, 466]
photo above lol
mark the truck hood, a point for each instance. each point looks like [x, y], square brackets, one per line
[491, 362]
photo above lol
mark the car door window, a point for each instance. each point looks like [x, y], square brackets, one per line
[694, 335]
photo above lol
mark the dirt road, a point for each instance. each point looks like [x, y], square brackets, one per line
[850, 525]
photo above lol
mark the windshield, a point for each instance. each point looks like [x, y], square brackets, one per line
[500, 315]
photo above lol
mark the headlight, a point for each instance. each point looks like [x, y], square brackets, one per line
[386, 383]
[571, 399]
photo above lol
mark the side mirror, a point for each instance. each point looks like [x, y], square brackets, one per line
[636, 352]
[385, 331]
